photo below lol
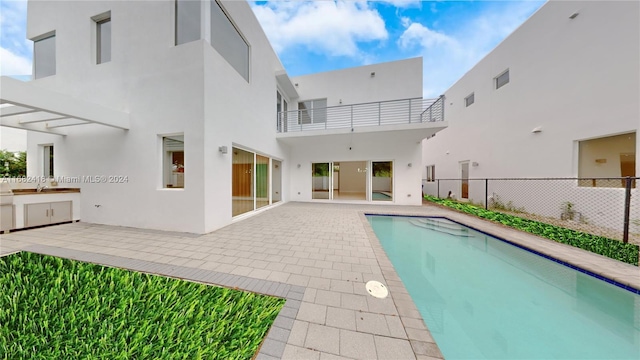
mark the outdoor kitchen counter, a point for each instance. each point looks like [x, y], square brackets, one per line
[45, 191]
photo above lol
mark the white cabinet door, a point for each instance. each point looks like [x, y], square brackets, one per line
[37, 214]
[6, 217]
[60, 212]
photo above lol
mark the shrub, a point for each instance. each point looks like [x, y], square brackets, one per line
[611, 248]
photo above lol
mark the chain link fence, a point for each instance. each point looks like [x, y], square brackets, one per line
[608, 207]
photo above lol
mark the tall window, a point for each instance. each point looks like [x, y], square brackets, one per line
[502, 79]
[173, 161]
[226, 39]
[103, 42]
[431, 173]
[312, 111]
[281, 108]
[44, 57]
[382, 181]
[187, 21]
[48, 160]
[256, 181]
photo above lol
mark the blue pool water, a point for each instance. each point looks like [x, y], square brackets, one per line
[483, 298]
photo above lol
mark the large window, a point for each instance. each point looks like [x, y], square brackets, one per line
[226, 39]
[312, 111]
[173, 161]
[255, 181]
[103, 32]
[44, 57]
[188, 21]
[607, 157]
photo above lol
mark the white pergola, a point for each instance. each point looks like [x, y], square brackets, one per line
[28, 107]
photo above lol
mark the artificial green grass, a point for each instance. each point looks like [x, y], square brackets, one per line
[53, 308]
[611, 248]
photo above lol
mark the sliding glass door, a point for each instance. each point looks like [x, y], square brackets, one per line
[352, 180]
[242, 182]
[382, 181]
[321, 180]
[256, 181]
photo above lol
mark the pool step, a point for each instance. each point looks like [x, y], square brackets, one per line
[446, 228]
[442, 223]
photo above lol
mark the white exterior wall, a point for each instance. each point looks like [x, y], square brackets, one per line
[239, 114]
[166, 89]
[392, 81]
[364, 147]
[191, 89]
[575, 79]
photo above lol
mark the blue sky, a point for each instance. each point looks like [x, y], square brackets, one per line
[316, 36]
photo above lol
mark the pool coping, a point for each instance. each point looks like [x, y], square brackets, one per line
[422, 342]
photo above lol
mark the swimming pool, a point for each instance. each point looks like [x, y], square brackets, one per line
[483, 298]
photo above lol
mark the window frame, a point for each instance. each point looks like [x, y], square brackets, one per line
[48, 160]
[238, 32]
[36, 57]
[310, 112]
[431, 173]
[164, 157]
[99, 39]
[176, 22]
[497, 79]
[470, 99]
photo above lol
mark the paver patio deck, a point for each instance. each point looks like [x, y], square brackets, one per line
[317, 256]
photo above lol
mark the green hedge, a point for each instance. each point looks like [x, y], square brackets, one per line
[614, 249]
[52, 308]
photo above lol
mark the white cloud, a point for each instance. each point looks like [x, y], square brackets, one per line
[418, 34]
[402, 3]
[12, 64]
[325, 27]
[15, 49]
[447, 56]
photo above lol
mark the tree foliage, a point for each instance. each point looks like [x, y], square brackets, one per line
[13, 164]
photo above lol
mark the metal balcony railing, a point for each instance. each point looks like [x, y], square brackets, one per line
[405, 111]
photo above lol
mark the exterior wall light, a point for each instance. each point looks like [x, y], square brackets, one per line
[223, 149]
[537, 130]
[574, 15]
[409, 164]
[474, 164]
[373, 74]
[299, 166]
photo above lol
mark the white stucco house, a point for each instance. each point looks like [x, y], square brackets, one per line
[559, 97]
[178, 115]
[558, 93]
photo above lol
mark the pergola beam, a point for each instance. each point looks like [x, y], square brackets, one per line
[27, 95]
[14, 123]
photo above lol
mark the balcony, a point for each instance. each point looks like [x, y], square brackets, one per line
[374, 116]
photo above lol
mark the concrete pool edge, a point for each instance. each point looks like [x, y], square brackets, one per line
[423, 344]
[615, 272]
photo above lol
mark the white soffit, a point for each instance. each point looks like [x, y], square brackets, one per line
[28, 107]
[286, 85]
